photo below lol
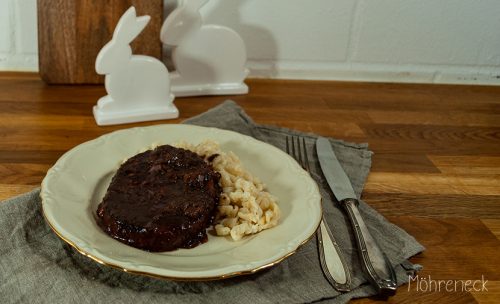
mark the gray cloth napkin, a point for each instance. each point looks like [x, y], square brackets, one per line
[36, 266]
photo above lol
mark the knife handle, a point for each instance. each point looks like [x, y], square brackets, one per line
[374, 261]
[333, 263]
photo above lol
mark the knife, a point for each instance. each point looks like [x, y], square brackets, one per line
[374, 261]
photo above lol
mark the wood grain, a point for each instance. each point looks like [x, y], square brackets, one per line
[435, 205]
[490, 296]
[493, 225]
[467, 164]
[8, 191]
[435, 171]
[71, 33]
[432, 183]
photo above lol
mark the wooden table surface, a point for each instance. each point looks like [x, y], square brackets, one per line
[435, 172]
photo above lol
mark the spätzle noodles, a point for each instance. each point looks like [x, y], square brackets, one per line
[245, 207]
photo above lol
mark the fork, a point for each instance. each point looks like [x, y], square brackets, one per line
[332, 261]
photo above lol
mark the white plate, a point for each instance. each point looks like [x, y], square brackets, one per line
[76, 184]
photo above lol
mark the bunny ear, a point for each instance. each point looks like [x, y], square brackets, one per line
[130, 26]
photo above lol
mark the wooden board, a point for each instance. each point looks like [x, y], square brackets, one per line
[71, 33]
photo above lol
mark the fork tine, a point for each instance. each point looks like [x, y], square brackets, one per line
[288, 145]
[306, 158]
[299, 152]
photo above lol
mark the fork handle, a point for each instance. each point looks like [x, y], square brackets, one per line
[332, 260]
[374, 261]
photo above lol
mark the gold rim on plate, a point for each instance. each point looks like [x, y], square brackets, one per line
[185, 279]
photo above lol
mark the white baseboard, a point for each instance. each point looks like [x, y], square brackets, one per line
[375, 72]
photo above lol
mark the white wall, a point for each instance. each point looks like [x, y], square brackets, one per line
[18, 35]
[445, 41]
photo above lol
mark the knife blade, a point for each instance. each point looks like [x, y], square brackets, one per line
[333, 171]
[374, 261]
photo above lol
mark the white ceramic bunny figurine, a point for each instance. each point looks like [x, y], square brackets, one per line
[138, 86]
[209, 59]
